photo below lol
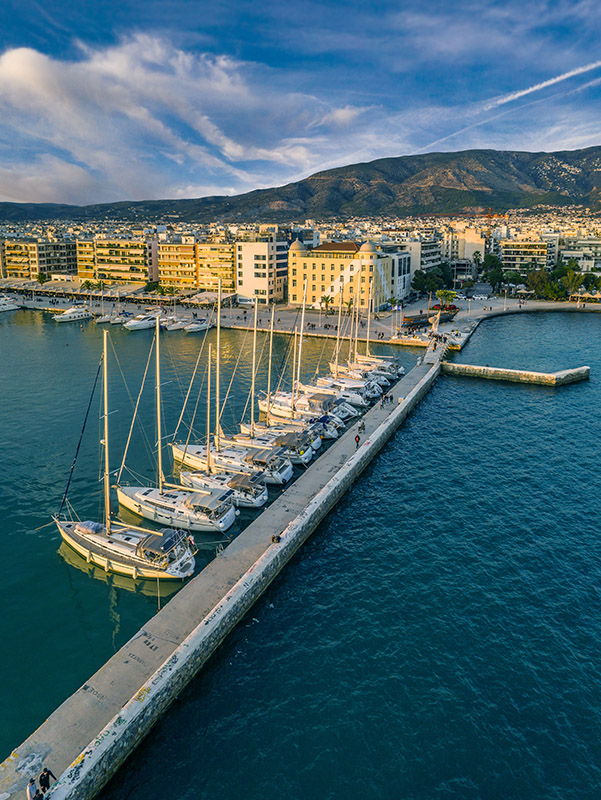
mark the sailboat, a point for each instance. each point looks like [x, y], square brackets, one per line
[234, 457]
[169, 504]
[103, 317]
[125, 549]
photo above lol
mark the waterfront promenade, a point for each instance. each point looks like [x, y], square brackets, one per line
[92, 732]
[383, 326]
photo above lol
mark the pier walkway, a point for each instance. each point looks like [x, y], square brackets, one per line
[90, 735]
[517, 375]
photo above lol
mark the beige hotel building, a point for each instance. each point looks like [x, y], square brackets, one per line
[340, 270]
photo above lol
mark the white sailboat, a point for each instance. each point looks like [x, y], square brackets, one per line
[248, 490]
[204, 510]
[126, 549]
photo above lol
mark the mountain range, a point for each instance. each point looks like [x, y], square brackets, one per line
[468, 181]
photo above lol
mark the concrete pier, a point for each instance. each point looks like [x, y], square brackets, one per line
[91, 734]
[517, 375]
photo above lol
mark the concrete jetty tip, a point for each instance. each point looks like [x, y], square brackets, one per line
[517, 375]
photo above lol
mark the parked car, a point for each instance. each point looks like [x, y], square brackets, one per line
[481, 297]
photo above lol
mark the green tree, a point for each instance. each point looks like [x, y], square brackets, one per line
[477, 259]
[514, 277]
[572, 281]
[589, 281]
[41, 278]
[86, 285]
[419, 282]
[493, 270]
[538, 281]
[326, 300]
[445, 296]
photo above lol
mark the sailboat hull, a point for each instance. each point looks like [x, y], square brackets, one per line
[130, 497]
[111, 561]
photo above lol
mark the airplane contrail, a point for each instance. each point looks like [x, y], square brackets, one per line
[538, 86]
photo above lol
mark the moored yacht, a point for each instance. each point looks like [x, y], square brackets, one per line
[141, 322]
[203, 510]
[125, 549]
[7, 304]
[248, 489]
[73, 314]
[272, 462]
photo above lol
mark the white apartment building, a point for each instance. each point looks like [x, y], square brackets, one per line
[262, 269]
[425, 253]
[461, 244]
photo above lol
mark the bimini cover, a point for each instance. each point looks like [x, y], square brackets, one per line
[161, 543]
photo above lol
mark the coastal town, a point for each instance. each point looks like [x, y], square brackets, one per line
[547, 253]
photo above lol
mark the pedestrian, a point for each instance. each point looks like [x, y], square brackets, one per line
[44, 779]
[32, 790]
[357, 440]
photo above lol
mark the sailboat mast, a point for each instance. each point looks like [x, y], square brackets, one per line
[368, 320]
[300, 342]
[294, 369]
[107, 487]
[269, 367]
[209, 413]
[338, 333]
[158, 401]
[252, 379]
[356, 325]
[217, 364]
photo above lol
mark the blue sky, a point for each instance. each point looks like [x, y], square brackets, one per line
[124, 99]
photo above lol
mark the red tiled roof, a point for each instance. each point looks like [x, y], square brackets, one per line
[336, 247]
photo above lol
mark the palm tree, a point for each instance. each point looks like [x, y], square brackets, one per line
[445, 296]
[349, 305]
[477, 259]
[326, 300]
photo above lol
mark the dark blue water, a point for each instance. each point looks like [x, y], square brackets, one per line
[60, 619]
[439, 636]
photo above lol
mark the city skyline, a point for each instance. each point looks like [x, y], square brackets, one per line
[132, 101]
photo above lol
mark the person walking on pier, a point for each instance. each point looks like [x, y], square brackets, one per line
[32, 790]
[357, 441]
[44, 779]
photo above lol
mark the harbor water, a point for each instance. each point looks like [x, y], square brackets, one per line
[438, 636]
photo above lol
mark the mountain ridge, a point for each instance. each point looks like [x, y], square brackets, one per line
[467, 181]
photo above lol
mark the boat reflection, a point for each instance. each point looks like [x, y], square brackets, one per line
[164, 589]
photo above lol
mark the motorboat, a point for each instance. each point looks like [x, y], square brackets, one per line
[248, 489]
[273, 462]
[141, 322]
[198, 325]
[174, 325]
[7, 304]
[73, 314]
[202, 510]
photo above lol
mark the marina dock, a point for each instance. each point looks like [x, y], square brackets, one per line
[92, 733]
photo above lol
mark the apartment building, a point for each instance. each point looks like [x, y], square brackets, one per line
[117, 260]
[523, 255]
[216, 260]
[343, 271]
[27, 258]
[460, 244]
[176, 263]
[400, 273]
[586, 252]
[262, 268]
[425, 253]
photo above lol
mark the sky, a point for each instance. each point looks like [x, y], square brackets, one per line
[105, 100]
